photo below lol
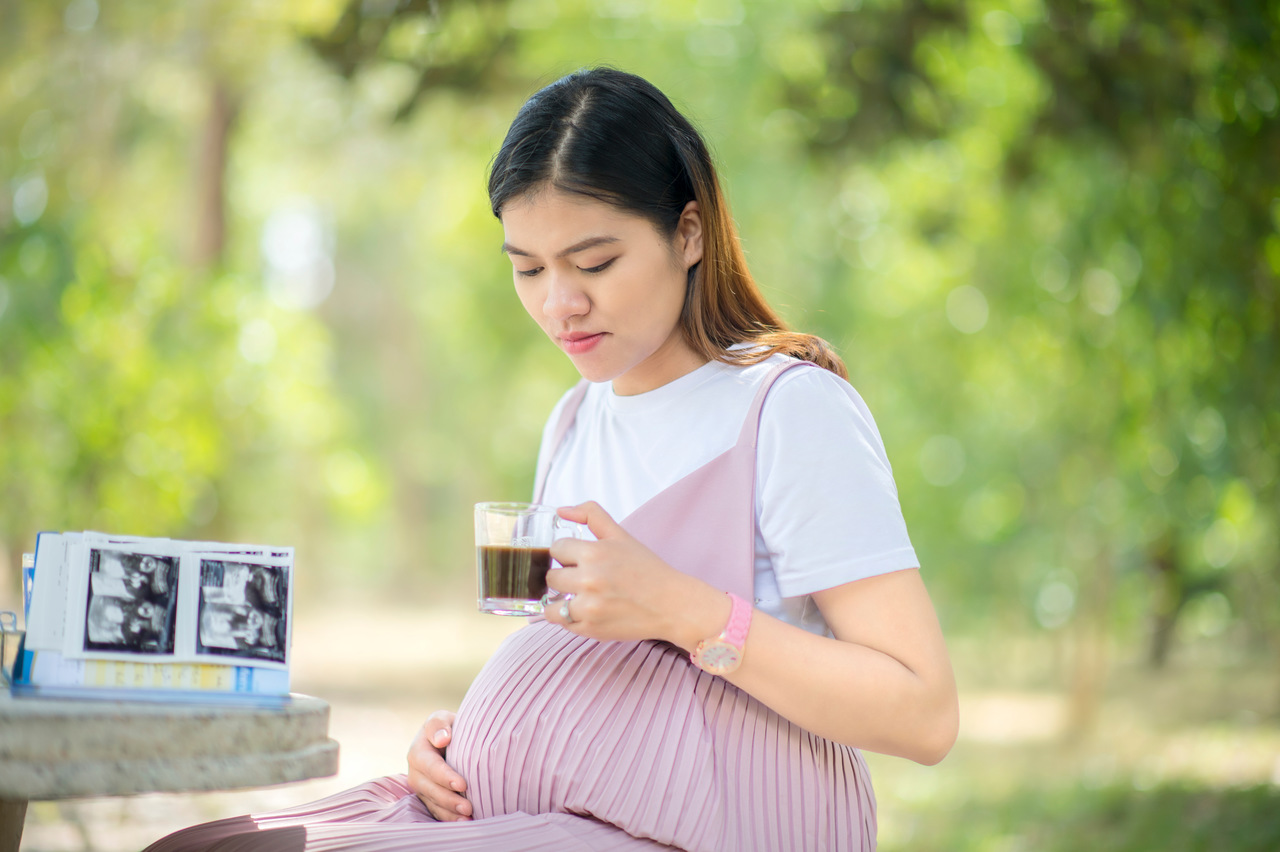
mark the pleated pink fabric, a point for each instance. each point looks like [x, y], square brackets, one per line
[571, 743]
[384, 816]
[633, 734]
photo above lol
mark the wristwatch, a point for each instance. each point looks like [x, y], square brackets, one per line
[723, 654]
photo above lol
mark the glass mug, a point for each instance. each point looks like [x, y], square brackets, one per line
[513, 542]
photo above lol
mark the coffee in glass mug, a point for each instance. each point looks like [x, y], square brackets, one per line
[513, 555]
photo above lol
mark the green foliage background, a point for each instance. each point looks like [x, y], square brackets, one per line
[250, 288]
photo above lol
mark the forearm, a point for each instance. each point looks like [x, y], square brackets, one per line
[845, 689]
[847, 692]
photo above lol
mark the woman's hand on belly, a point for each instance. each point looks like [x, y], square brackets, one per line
[434, 781]
[623, 590]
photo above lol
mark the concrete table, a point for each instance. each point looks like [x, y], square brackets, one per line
[64, 749]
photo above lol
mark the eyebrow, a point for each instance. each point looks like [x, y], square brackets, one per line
[589, 242]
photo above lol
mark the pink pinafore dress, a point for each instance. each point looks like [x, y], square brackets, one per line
[573, 743]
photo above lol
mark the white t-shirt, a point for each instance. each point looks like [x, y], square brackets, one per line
[826, 504]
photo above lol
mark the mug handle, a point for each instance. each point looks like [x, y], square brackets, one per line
[562, 529]
[570, 529]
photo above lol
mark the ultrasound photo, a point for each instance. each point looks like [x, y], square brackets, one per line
[132, 604]
[242, 610]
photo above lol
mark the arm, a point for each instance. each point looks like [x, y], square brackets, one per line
[883, 683]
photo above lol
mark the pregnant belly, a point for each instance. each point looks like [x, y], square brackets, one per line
[633, 734]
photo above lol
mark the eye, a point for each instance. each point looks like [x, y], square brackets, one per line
[601, 268]
[528, 273]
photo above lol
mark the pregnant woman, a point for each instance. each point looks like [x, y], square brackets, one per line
[749, 615]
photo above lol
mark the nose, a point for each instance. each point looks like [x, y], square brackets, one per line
[564, 297]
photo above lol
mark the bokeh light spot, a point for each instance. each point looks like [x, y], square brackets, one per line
[30, 196]
[942, 460]
[1101, 291]
[1056, 601]
[297, 246]
[80, 15]
[257, 341]
[967, 309]
[1220, 543]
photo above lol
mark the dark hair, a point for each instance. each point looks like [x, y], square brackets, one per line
[616, 138]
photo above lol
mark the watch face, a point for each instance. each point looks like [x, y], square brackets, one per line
[718, 658]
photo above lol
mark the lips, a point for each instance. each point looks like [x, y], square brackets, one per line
[576, 343]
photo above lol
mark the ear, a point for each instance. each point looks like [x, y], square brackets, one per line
[688, 241]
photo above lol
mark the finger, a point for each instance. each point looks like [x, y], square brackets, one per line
[440, 801]
[557, 610]
[591, 513]
[433, 767]
[431, 777]
[565, 615]
[439, 719]
[434, 735]
[455, 809]
[432, 784]
[570, 551]
[426, 754]
[444, 775]
[565, 581]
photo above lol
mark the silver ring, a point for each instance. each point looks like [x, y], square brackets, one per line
[564, 613]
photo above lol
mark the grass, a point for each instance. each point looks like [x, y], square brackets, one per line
[1172, 817]
[1179, 760]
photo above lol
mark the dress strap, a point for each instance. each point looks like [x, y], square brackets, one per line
[751, 425]
[567, 416]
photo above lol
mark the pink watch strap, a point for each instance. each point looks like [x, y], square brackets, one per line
[723, 654]
[735, 632]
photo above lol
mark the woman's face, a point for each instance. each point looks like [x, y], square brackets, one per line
[604, 285]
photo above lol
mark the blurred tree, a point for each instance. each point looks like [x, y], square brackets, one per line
[139, 394]
[458, 45]
[1111, 204]
[1009, 159]
[211, 190]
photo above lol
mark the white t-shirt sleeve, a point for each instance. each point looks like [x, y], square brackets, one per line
[826, 500]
